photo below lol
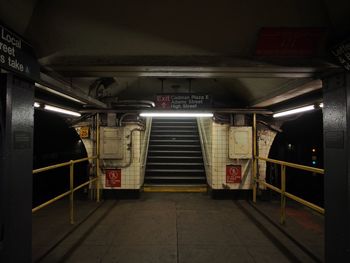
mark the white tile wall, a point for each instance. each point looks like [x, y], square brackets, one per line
[216, 137]
[130, 176]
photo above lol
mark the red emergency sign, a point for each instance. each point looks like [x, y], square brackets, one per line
[113, 178]
[233, 174]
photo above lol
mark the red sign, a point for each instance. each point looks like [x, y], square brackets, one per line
[289, 42]
[113, 178]
[233, 174]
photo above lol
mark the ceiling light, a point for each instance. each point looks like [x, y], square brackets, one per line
[175, 114]
[36, 104]
[60, 110]
[58, 93]
[294, 111]
[321, 105]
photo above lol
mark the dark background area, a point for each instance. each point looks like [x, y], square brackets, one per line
[55, 142]
[295, 144]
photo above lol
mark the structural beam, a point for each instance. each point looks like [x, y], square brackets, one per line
[336, 122]
[292, 89]
[55, 86]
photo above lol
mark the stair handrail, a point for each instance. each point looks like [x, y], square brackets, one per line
[203, 142]
[147, 138]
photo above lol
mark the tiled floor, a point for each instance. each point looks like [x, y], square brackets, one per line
[173, 227]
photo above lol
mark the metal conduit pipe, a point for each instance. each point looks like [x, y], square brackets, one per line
[131, 151]
[123, 116]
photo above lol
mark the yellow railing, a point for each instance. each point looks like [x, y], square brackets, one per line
[282, 190]
[72, 189]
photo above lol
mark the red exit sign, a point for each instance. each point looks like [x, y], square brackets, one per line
[289, 42]
[233, 174]
[113, 178]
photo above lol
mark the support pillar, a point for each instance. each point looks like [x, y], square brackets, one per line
[336, 122]
[16, 163]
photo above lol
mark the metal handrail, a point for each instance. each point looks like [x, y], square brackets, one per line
[293, 165]
[147, 143]
[282, 191]
[204, 141]
[71, 183]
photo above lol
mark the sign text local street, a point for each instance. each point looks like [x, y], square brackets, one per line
[16, 55]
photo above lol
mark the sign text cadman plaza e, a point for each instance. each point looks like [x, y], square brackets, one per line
[183, 101]
[17, 56]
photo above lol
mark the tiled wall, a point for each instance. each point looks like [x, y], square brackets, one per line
[131, 176]
[216, 138]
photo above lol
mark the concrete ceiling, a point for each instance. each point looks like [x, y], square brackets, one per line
[211, 42]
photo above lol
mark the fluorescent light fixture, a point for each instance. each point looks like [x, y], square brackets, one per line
[36, 104]
[175, 114]
[63, 111]
[321, 105]
[297, 110]
[58, 93]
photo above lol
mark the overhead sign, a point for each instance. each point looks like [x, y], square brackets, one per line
[233, 174]
[185, 101]
[113, 178]
[342, 53]
[17, 56]
[289, 41]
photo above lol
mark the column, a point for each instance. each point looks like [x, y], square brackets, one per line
[16, 152]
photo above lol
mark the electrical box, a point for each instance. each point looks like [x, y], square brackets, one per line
[240, 143]
[112, 143]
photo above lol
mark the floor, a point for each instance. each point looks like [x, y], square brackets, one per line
[175, 227]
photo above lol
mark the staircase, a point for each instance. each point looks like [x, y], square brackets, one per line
[174, 153]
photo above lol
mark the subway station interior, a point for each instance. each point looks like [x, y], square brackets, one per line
[174, 131]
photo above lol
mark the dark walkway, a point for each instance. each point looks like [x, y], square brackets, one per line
[176, 227]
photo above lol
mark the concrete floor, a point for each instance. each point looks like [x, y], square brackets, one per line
[175, 227]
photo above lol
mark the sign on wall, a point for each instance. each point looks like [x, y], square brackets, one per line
[289, 41]
[342, 53]
[113, 178]
[84, 132]
[16, 55]
[233, 174]
[185, 101]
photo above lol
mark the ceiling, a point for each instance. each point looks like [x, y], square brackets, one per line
[194, 46]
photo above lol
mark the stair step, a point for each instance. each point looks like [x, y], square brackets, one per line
[176, 182]
[174, 177]
[174, 131]
[175, 145]
[175, 188]
[193, 127]
[194, 141]
[174, 153]
[170, 151]
[175, 170]
[177, 157]
[174, 135]
[194, 164]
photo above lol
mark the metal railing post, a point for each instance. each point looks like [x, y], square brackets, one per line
[71, 195]
[98, 197]
[254, 170]
[283, 194]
